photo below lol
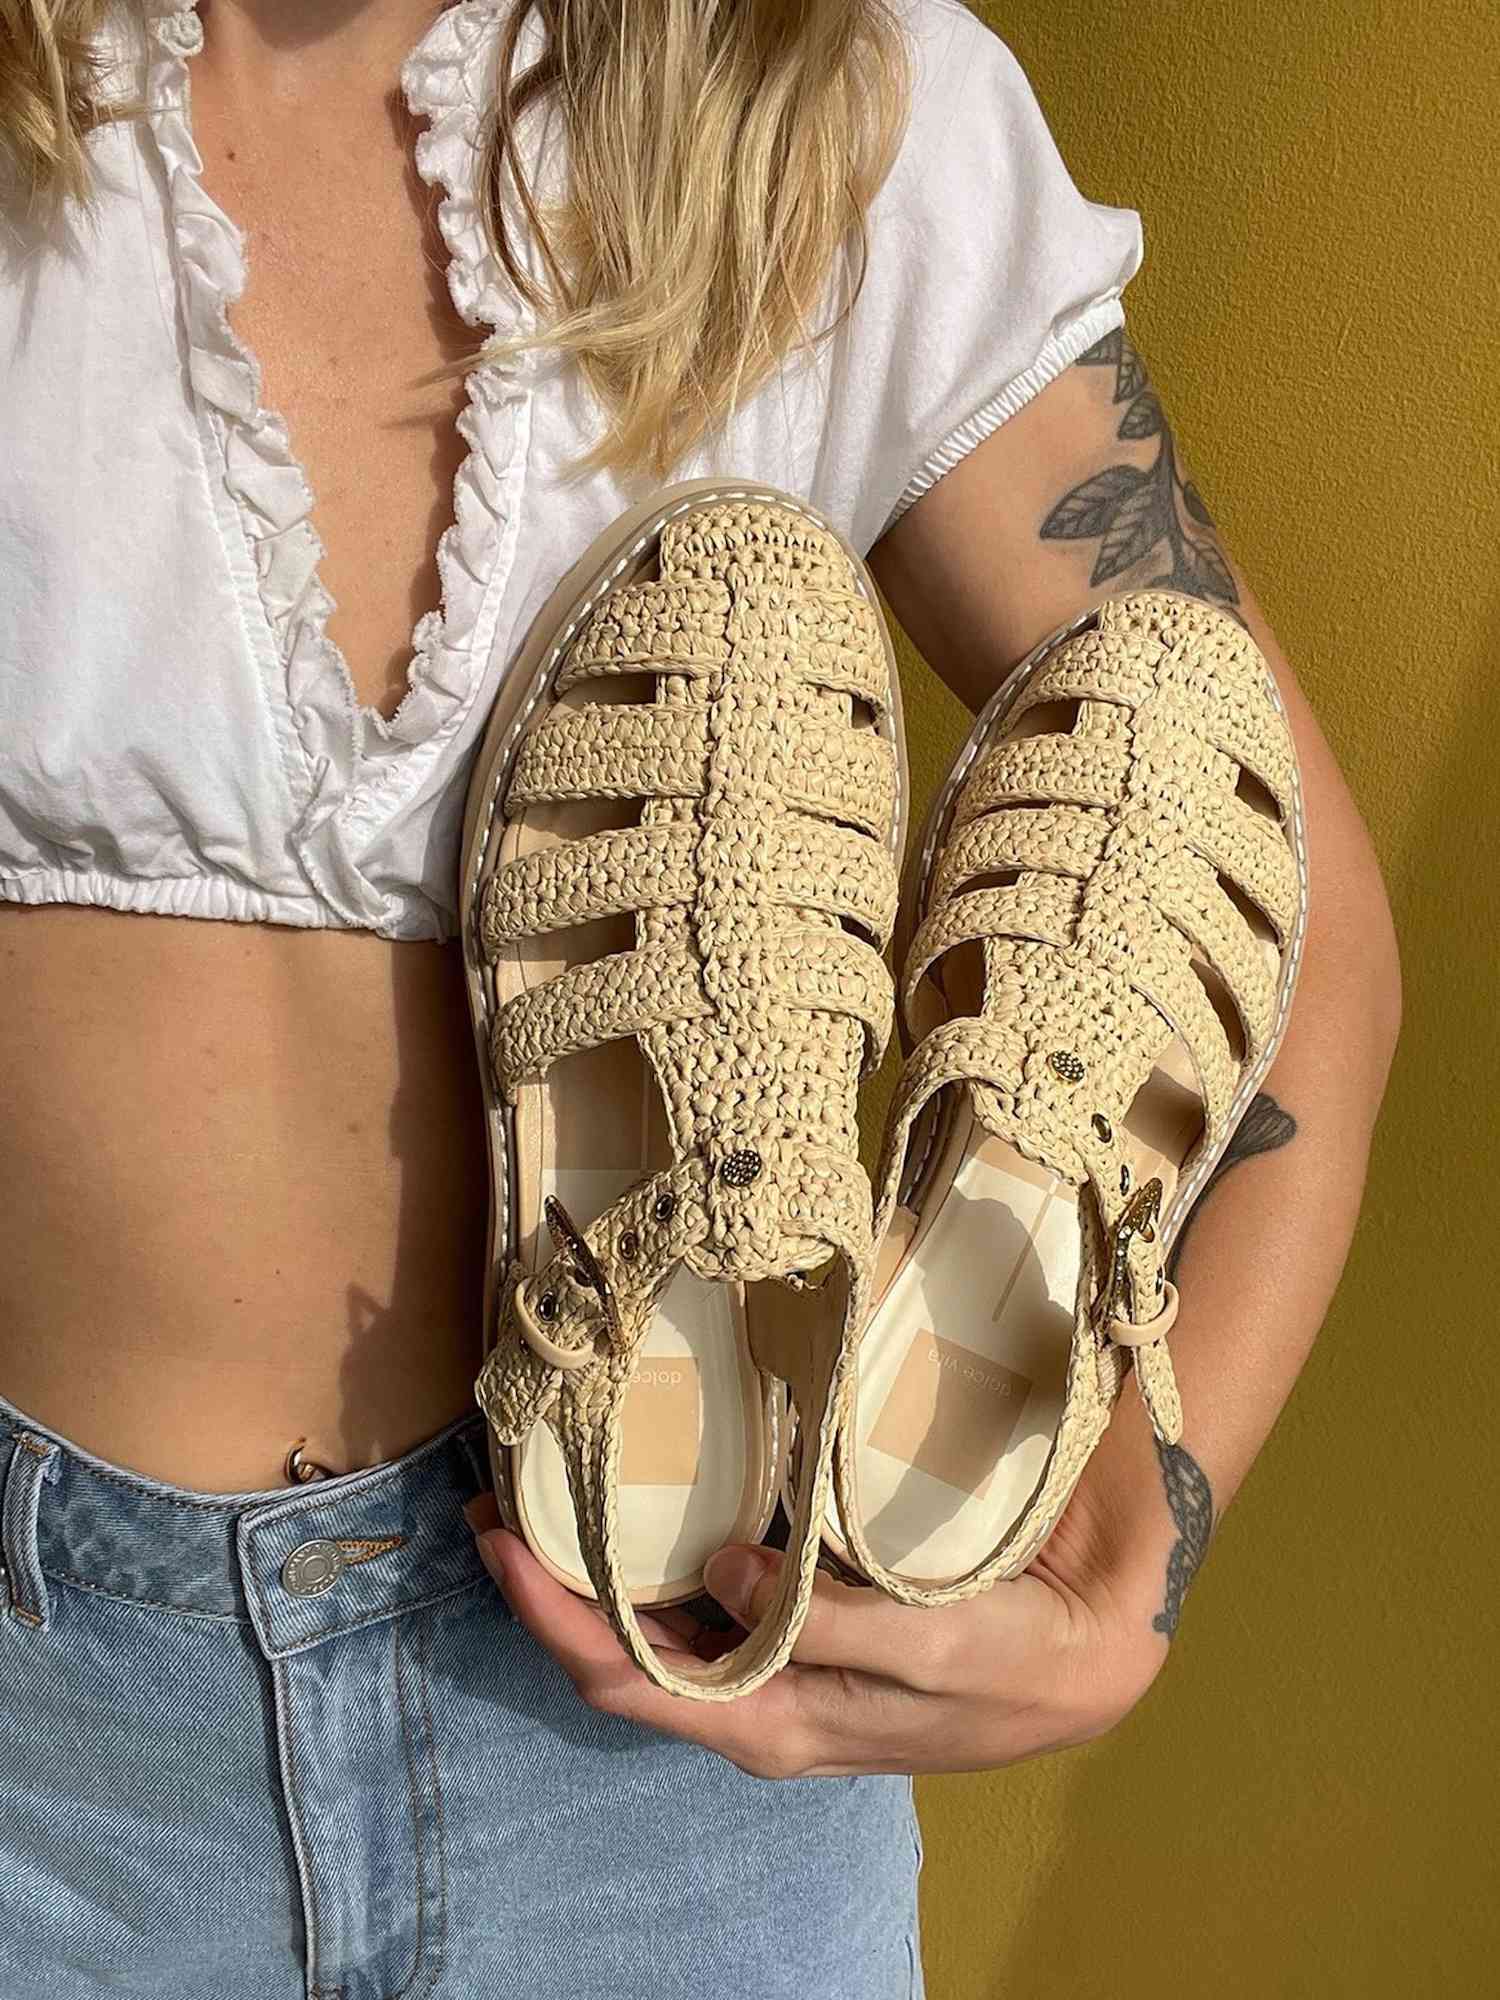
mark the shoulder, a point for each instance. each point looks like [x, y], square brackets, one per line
[955, 52]
[974, 119]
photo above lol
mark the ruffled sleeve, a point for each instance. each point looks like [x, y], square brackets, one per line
[350, 766]
[989, 272]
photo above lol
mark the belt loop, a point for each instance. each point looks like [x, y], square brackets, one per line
[33, 1459]
[476, 1451]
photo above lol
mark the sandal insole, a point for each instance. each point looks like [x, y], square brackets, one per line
[963, 1362]
[961, 1367]
[678, 1501]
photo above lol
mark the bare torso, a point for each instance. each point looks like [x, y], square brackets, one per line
[244, 1182]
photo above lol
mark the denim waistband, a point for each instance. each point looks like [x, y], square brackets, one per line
[299, 1564]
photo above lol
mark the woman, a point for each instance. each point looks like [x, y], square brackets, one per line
[267, 1728]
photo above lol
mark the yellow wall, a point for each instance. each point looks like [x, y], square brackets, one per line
[1304, 1804]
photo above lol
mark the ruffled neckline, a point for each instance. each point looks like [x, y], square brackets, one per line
[356, 759]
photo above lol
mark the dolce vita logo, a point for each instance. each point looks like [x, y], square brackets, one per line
[662, 1378]
[950, 1412]
[971, 1368]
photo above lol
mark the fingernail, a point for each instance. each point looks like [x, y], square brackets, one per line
[732, 1576]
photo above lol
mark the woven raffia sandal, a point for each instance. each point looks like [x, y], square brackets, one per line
[678, 877]
[1109, 904]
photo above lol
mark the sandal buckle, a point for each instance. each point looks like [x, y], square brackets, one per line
[1138, 1218]
[569, 1238]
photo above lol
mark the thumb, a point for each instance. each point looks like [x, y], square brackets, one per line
[742, 1577]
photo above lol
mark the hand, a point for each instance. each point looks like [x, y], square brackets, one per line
[1051, 1658]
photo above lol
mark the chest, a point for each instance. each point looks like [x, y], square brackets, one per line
[346, 308]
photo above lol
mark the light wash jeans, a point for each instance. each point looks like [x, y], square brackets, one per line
[357, 1777]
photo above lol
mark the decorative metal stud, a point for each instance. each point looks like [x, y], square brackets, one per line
[1102, 1127]
[1068, 1066]
[630, 1244]
[546, 1306]
[665, 1207]
[741, 1167]
[1125, 1179]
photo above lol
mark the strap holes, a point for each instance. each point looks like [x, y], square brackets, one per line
[1045, 718]
[1254, 916]
[1256, 795]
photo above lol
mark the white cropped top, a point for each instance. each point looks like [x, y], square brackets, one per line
[177, 733]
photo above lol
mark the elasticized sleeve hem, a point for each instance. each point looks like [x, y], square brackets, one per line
[1059, 352]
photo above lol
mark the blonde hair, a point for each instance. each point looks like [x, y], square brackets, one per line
[719, 154]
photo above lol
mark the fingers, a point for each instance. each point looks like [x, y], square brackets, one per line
[936, 1650]
[572, 1628]
[873, 1685]
[763, 1732]
[482, 1512]
[666, 1627]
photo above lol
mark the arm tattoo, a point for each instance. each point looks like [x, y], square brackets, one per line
[1153, 521]
[1264, 1127]
[1134, 513]
[1192, 1506]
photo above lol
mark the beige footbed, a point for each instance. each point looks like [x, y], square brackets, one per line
[952, 1429]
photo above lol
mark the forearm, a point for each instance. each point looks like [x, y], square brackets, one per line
[1257, 1267]
[1261, 1253]
[1083, 495]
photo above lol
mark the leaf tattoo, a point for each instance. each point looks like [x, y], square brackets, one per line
[1265, 1127]
[1133, 512]
[1192, 1506]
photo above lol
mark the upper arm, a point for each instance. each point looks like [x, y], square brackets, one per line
[1081, 495]
[1084, 494]
[988, 271]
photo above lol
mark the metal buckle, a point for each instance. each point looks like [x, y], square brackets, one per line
[568, 1238]
[1138, 1218]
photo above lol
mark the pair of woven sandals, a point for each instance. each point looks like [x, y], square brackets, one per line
[679, 880]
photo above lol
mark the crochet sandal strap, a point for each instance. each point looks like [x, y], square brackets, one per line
[763, 886]
[571, 1336]
[1135, 884]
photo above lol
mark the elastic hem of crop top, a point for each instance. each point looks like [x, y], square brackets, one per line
[212, 896]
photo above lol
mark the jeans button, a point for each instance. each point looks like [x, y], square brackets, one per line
[313, 1567]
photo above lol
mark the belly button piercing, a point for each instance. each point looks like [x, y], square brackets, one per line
[301, 1471]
